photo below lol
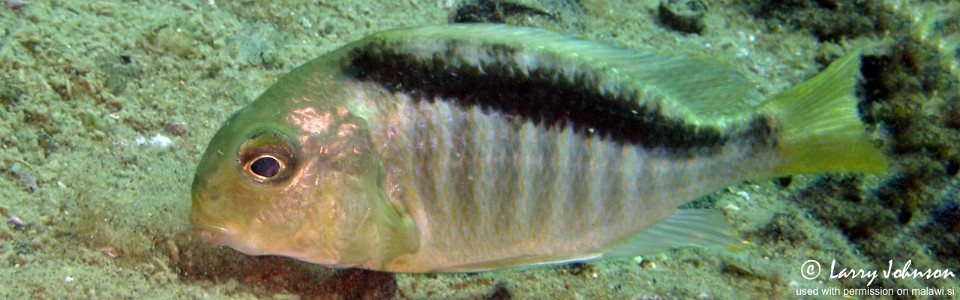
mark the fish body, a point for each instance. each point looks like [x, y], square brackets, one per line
[477, 147]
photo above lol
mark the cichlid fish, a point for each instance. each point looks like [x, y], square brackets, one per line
[476, 147]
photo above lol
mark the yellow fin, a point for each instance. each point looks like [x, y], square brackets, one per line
[821, 130]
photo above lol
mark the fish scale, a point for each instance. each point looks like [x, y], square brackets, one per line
[476, 147]
[575, 206]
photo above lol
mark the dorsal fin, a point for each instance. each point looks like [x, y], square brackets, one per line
[695, 85]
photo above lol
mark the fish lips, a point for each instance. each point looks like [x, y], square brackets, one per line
[224, 236]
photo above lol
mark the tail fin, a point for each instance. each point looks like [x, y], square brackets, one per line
[820, 127]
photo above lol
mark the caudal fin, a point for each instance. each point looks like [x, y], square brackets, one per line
[820, 128]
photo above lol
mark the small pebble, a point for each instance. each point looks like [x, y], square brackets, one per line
[158, 141]
[176, 129]
[110, 252]
[730, 208]
[17, 222]
[744, 195]
[648, 264]
[173, 250]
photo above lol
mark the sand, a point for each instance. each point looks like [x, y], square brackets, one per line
[107, 107]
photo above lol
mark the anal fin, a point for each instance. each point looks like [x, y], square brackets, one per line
[518, 262]
[686, 227]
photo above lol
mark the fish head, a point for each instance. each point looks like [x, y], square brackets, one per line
[291, 175]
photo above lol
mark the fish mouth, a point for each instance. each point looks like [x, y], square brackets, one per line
[212, 234]
[226, 237]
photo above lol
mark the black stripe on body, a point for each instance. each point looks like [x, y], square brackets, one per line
[541, 95]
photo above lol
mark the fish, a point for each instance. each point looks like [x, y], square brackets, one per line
[465, 148]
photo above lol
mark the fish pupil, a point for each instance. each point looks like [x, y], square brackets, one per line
[265, 166]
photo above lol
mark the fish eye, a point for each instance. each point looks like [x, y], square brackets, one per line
[265, 158]
[265, 166]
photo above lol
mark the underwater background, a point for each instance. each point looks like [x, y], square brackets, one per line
[106, 107]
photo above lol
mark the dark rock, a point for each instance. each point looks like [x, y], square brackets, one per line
[682, 15]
